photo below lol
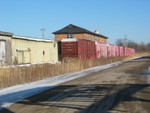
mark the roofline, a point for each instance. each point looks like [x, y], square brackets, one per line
[87, 31]
[31, 39]
[6, 33]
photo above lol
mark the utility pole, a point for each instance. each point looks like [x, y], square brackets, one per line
[125, 40]
[125, 36]
[43, 31]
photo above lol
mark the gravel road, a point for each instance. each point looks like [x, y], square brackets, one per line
[120, 89]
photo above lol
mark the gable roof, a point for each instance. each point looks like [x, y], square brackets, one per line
[72, 29]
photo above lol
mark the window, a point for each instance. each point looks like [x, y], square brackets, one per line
[69, 36]
[43, 52]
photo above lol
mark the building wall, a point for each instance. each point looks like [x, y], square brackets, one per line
[59, 37]
[8, 53]
[29, 51]
[95, 38]
[80, 36]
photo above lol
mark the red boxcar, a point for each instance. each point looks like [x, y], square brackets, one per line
[121, 51]
[79, 48]
[101, 50]
[113, 50]
[86, 49]
[117, 50]
[98, 49]
[108, 50]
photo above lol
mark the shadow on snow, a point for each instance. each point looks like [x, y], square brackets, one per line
[103, 97]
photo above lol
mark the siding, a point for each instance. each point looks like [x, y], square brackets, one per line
[8, 52]
[29, 51]
[2, 52]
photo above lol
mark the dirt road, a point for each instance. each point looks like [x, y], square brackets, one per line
[121, 89]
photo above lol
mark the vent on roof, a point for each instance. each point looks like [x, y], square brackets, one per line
[96, 31]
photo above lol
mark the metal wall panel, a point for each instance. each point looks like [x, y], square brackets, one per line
[28, 51]
[82, 49]
[98, 49]
[2, 52]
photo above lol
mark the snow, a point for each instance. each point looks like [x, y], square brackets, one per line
[25, 65]
[13, 94]
[69, 39]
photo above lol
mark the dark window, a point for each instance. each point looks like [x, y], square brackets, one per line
[69, 36]
[43, 52]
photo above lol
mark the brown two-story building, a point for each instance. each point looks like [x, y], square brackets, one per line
[72, 31]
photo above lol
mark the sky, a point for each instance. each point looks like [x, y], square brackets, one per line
[114, 18]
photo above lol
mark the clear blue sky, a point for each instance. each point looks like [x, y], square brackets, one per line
[114, 18]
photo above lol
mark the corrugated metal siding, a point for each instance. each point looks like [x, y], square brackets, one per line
[121, 51]
[91, 49]
[103, 50]
[98, 48]
[26, 51]
[69, 49]
[7, 48]
[2, 52]
[82, 49]
[117, 50]
[107, 50]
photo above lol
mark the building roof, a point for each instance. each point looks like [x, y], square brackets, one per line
[6, 33]
[72, 29]
[31, 39]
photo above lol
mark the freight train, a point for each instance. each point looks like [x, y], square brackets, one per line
[86, 49]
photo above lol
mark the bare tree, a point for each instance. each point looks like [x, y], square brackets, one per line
[120, 42]
[131, 44]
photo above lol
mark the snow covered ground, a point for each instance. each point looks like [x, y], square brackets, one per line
[23, 65]
[14, 94]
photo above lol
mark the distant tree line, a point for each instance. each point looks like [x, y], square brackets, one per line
[132, 44]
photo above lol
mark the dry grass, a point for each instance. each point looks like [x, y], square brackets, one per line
[25, 74]
[137, 55]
